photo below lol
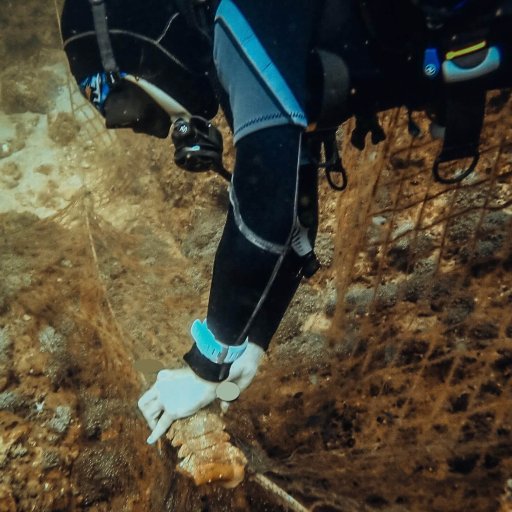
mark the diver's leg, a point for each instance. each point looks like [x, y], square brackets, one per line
[256, 270]
[269, 119]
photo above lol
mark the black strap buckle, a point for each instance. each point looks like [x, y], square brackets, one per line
[336, 168]
[459, 177]
[463, 116]
[333, 164]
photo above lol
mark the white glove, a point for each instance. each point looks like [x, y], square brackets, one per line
[244, 369]
[180, 393]
[175, 394]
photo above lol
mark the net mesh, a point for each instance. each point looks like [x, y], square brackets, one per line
[406, 408]
[387, 386]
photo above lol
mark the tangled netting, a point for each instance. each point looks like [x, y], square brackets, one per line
[387, 386]
[406, 406]
[403, 405]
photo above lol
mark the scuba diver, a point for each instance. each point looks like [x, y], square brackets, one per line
[286, 75]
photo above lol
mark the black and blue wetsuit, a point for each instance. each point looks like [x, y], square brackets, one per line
[261, 53]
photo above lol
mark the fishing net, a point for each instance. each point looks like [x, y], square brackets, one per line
[404, 404]
[387, 386]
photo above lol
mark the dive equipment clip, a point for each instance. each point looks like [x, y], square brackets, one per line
[198, 146]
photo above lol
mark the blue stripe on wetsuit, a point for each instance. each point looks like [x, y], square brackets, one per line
[259, 95]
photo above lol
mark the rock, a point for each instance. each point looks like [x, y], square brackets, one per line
[6, 348]
[10, 401]
[25, 89]
[96, 415]
[207, 454]
[358, 297]
[459, 310]
[62, 367]
[484, 331]
[201, 424]
[10, 175]
[6, 150]
[60, 422]
[324, 248]
[331, 301]
[63, 128]
[7, 503]
[204, 236]
[33, 487]
[387, 295]
[51, 341]
[51, 458]
[462, 228]
[44, 169]
[103, 472]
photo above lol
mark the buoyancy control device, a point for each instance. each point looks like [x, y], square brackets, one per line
[373, 55]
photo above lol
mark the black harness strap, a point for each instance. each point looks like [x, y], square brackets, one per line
[195, 13]
[333, 164]
[100, 20]
[333, 74]
[464, 120]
